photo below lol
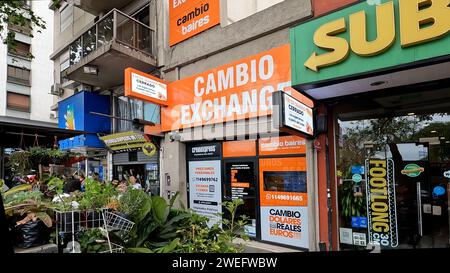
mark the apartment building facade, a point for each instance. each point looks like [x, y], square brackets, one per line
[26, 82]
[26, 119]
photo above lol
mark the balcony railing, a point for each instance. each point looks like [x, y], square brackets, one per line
[116, 26]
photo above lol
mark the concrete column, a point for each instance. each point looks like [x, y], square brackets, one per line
[173, 165]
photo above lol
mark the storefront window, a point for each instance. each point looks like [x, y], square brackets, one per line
[393, 181]
[128, 109]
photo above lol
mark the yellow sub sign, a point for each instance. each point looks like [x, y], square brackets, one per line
[420, 21]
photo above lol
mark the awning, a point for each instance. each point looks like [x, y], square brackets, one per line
[125, 141]
[17, 132]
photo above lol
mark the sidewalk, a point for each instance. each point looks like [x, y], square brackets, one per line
[259, 247]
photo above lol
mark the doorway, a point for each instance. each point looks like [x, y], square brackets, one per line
[241, 181]
[418, 147]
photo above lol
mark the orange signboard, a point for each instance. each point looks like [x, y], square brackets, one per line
[240, 90]
[190, 17]
[285, 145]
[239, 148]
[140, 85]
[276, 175]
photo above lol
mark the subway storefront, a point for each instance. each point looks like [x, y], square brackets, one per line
[234, 149]
[380, 75]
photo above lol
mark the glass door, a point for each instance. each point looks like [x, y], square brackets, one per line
[241, 182]
[393, 181]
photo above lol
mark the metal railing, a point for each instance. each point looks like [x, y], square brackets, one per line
[117, 26]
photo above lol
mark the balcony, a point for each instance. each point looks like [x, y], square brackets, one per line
[100, 55]
[97, 7]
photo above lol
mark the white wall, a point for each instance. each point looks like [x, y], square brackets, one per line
[41, 65]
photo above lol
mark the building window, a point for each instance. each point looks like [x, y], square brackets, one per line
[152, 113]
[65, 17]
[237, 10]
[18, 75]
[128, 109]
[18, 102]
[21, 49]
[24, 29]
[65, 63]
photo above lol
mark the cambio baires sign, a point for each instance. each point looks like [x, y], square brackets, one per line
[190, 17]
[240, 90]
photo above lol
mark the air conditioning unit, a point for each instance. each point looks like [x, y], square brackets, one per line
[56, 90]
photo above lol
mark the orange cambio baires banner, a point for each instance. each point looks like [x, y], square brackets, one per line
[190, 17]
[240, 90]
[285, 145]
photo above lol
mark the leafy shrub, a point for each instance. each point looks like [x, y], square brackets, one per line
[96, 195]
[135, 203]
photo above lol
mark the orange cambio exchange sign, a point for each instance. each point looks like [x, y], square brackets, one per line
[240, 90]
[190, 17]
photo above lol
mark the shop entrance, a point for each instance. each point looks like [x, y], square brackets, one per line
[409, 149]
[241, 182]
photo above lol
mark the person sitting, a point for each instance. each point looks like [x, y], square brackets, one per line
[82, 182]
[123, 186]
[72, 185]
[134, 183]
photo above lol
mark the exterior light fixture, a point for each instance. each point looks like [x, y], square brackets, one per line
[378, 83]
[91, 70]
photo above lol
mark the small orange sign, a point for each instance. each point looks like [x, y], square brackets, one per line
[140, 85]
[190, 17]
[285, 145]
[239, 148]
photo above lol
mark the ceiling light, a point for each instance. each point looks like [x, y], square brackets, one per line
[91, 70]
[378, 83]
[411, 114]
[433, 132]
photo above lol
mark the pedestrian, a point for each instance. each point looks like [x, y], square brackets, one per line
[134, 183]
[82, 179]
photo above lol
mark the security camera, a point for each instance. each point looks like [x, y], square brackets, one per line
[174, 136]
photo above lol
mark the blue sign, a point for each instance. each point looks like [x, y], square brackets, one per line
[88, 140]
[358, 169]
[74, 113]
[359, 222]
[438, 191]
[357, 178]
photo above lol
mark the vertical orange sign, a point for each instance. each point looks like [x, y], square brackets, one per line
[190, 17]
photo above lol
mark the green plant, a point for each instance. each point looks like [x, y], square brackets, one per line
[93, 241]
[351, 205]
[29, 203]
[55, 184]
[165, 229]
[220, 238]
[19, 162]
[136, 203]
[97, 195]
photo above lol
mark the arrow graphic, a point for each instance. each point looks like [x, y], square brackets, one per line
[324, 38]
